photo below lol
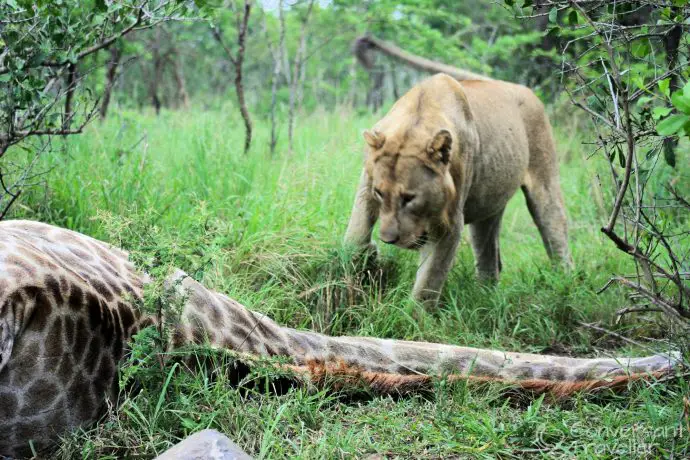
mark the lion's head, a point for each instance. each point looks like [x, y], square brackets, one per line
[411, 181]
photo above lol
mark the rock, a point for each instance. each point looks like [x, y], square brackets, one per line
[205, 445]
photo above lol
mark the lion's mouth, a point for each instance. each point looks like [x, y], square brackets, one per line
[420, 241]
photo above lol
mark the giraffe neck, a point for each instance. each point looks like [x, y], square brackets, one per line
[68, 307]
[391, 365]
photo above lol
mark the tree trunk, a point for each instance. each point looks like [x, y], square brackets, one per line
[157, 73]
[352, 81]
[296, 77]
[289, 77]
[237, 61]
[153, 86]
[302, 75]
[110, 74]
[241, 38]
[277, 60]
[671, 43]
[69, 97]
[182, 95]
[394, 80]
[375, 95]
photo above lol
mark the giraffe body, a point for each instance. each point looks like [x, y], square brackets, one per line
[68, 309]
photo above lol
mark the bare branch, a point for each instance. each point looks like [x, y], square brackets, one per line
[679, 198]
[680, 316]
[218, 35]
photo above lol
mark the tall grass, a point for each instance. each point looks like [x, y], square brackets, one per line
[267, 231]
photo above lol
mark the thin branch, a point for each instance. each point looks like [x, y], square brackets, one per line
[633, 251]
[645, 309]
[678, 198]
[13, 196]
[680, 316]
[50, 132]
[614, 334]
[218, 35]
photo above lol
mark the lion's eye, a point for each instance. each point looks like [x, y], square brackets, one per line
[406, 198]
[378, 194]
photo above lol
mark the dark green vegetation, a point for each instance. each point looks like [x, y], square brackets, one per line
[267, 232]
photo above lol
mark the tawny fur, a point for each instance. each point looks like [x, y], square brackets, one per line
[340, 376]
[451, 153]
[69, 306]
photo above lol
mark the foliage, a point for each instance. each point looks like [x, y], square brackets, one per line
[624, 65]
[677, 123]
[467, 35]
[483, 38]
[41, 67]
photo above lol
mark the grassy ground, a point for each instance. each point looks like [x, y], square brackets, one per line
[267, 232]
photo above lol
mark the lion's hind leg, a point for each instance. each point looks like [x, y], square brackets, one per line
[485, 245]
[545, 204]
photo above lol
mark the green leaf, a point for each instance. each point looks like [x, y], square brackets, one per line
[553, 15]
[621, 157]
[660, 112]
[527, 3]
[638, 80]
[670, 152]
[644, 100]
[553, 32]
[641, 48]
[664, 87]
[672, 125]
[681, 101]
[572, 17]
[189, 423]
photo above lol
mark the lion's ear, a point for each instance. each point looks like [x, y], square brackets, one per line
[439, 147]
[374, 138]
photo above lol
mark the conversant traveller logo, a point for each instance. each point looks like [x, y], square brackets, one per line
[629, 441]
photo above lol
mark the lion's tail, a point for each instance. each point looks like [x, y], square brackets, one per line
[364, 45]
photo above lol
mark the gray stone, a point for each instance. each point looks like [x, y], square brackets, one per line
[205, 445]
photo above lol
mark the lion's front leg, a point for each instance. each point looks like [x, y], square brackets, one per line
[436, 260]
[363, 217]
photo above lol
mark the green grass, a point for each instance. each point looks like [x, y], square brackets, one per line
[267, 231]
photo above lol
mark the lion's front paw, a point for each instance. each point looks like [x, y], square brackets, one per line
[371, 250]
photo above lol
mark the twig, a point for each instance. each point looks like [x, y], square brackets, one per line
[614, 96]
[615, 334]
[645, 309]
[680, 316]
[678, 198]
[219, 38]
[13, 196]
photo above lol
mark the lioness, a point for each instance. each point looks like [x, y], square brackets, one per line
[452, 153]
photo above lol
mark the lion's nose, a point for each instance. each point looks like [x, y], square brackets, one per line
[389, 237]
